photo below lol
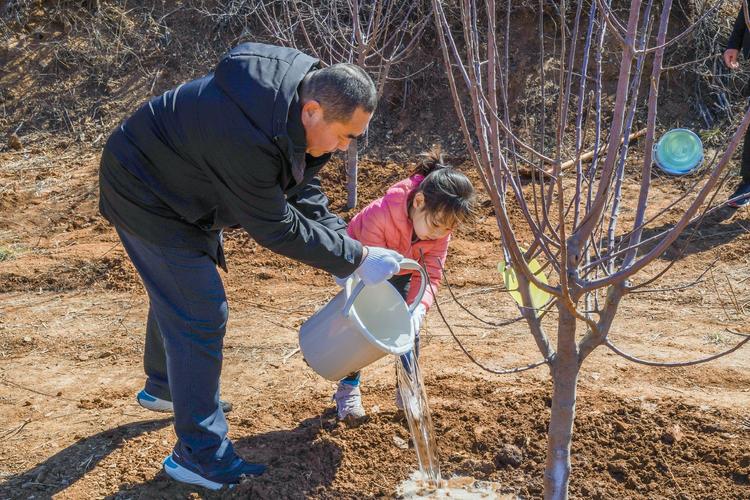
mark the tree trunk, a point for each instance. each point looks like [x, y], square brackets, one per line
[564, 380]
[351, 175]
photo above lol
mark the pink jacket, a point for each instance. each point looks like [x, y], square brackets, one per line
[385, 223]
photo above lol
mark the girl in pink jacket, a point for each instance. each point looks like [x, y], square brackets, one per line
[415, 218]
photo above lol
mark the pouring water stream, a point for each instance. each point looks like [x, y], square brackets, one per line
[416, 408]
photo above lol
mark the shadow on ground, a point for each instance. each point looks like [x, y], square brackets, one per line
[66, 467]
[302, 461]
[711, 232]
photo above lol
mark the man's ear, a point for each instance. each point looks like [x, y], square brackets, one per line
[312, 110]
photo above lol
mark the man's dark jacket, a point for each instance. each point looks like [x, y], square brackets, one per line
[224, 150]
[739, 38]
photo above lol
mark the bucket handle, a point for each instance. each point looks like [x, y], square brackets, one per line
[404, 264]
[413, 264]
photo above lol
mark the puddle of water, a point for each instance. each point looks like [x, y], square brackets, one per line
[417, 412]
[457, 488]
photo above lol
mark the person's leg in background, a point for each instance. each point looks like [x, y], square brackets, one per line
[743, 189]
[188, 305]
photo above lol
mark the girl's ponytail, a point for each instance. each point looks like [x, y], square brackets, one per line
[429, 161]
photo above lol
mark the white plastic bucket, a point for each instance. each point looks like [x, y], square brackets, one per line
[360, 325]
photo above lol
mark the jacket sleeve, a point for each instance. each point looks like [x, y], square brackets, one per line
[433, 261]
[313, 204]
[738, 32]
[249, 186]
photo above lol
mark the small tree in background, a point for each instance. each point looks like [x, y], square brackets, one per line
[378, 35]
[572, 208]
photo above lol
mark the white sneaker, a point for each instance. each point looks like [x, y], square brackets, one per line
[348, 402]
[153, 403]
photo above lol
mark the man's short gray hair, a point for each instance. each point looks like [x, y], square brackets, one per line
[340, 89]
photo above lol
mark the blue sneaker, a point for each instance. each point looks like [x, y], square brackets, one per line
[153, 403]
[181, 470]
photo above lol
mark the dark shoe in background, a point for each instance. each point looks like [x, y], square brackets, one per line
[743, 194]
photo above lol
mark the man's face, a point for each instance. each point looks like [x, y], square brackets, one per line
[326, 137]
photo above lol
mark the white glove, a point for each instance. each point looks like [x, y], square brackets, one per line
[379, 265]
[417, 317]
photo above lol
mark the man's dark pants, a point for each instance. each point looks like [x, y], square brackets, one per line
[184, 337]
[745, 167]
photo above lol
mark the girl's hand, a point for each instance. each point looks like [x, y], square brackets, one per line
[730, 58]
[417, 317]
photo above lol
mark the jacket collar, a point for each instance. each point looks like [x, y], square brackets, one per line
[297, 140]
[288, 130]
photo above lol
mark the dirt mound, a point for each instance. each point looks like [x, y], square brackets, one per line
[621, 451]
[625, 448]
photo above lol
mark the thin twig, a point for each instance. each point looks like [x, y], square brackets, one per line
[699, 279]
[12, 432]
[19, 386]
[634, 359]
[505, 371]
[289, 355]
[491, 323]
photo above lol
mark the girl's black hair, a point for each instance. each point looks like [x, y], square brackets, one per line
[448, 193]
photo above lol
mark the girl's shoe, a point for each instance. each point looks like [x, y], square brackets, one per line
[153, 403]
[348, 399]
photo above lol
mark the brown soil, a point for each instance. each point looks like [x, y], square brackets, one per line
[72, 314]
[70, 362]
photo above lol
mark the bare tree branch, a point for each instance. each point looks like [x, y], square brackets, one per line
[634, 359]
